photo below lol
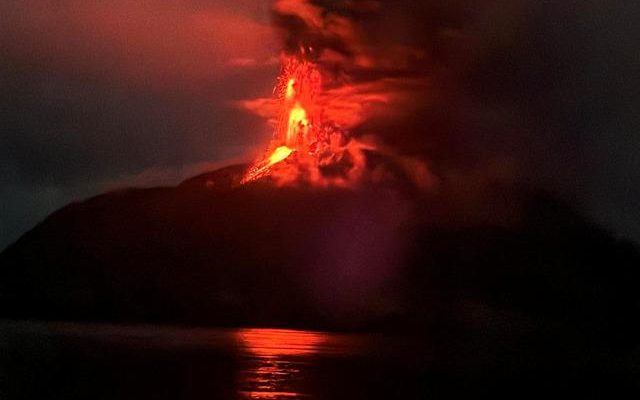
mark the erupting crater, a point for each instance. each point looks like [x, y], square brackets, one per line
[306, 146]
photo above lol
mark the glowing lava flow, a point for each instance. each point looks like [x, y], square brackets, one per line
[298, 125]
[279, 154]
[305, 146]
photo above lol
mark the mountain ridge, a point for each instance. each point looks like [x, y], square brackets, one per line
[211, 252]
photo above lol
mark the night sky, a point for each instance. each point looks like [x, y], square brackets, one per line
[97, 95]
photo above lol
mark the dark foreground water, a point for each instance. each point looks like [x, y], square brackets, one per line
[77, 361]
[72, 361]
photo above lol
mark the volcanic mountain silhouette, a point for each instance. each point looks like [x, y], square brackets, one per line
[211, 252]
[549, 297]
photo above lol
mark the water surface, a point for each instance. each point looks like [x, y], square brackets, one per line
[75, 361]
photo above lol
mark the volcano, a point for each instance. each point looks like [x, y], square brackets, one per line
[531, 299]
[212, 251]
[308, 146]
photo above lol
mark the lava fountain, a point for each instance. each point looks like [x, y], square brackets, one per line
[307, 147]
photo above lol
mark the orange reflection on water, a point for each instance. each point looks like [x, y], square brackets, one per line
[280, 342]
[276, 361]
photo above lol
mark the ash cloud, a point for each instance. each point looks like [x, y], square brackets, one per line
[522, 94]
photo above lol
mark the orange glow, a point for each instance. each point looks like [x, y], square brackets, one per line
[302, 127]
[279, 342]
[275, 358]
[279, 154]
[290, 89]
[297, 126]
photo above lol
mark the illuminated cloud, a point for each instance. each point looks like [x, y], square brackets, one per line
[156, 43]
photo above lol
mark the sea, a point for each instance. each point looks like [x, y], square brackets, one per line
[47, 360]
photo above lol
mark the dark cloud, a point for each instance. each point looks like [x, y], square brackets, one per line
[93, 94]
[527, 93]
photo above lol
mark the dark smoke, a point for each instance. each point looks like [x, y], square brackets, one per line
[497, 96]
